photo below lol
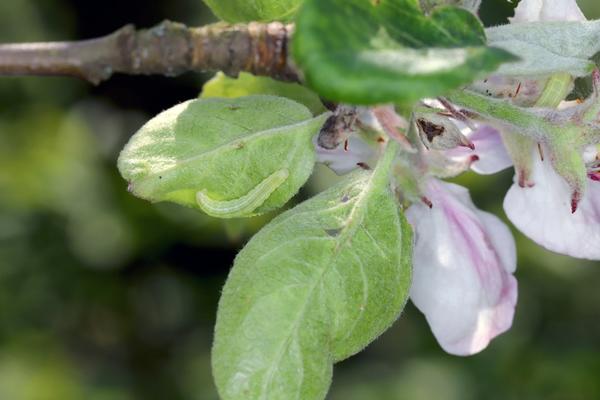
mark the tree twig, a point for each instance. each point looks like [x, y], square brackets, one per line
[167, 49]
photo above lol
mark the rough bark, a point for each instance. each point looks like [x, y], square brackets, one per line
[167, 49]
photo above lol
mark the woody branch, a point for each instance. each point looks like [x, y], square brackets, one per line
[167, 49]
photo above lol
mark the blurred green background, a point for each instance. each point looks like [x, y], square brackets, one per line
[106, 297]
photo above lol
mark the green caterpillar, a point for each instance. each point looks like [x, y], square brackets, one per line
[242, 206]
[558, 86]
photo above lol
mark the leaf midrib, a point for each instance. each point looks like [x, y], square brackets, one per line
[344, 237]
[281, 130]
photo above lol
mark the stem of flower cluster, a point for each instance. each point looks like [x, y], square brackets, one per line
[536, 126]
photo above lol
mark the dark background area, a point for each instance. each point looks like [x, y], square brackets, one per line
[107, 297]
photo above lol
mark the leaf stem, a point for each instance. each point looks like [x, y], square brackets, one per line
[535, 125]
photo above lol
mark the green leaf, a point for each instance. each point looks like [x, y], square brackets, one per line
[471, 5]
[356, 52]
[255, 10]
[247, 84]
[315, 286]
[547, 48]
[228, 157]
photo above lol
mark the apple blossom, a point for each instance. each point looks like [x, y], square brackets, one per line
[547, 10]
[464, 259]
[491, 156]
[543, 213]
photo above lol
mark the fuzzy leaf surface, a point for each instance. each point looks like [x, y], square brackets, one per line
[315, 286]
[247, 84]
[547, 48]
[222, 150]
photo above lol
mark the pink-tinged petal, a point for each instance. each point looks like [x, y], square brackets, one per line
[345, 157]
[543, 213]
[463, 260]
[489, 149]
[502, 239]
[547, 10]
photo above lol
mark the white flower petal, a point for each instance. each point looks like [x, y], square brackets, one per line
[491, 153]
[463, 260]
[591, 154]
[502, 240]
[543, 213]
[547, 10]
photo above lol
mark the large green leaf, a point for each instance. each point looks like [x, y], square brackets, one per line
[247, 84]
[229, 157]
[315, 286]
[365, 52]
[547, 48]
[254, 10]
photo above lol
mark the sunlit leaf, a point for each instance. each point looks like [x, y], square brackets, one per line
[255, 10]
[315, 286]
[227, 157]
[247, 84]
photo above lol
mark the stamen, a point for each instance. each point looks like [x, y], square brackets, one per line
[575, 199]
[469, 144]
[427, 202]
[518, 90]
